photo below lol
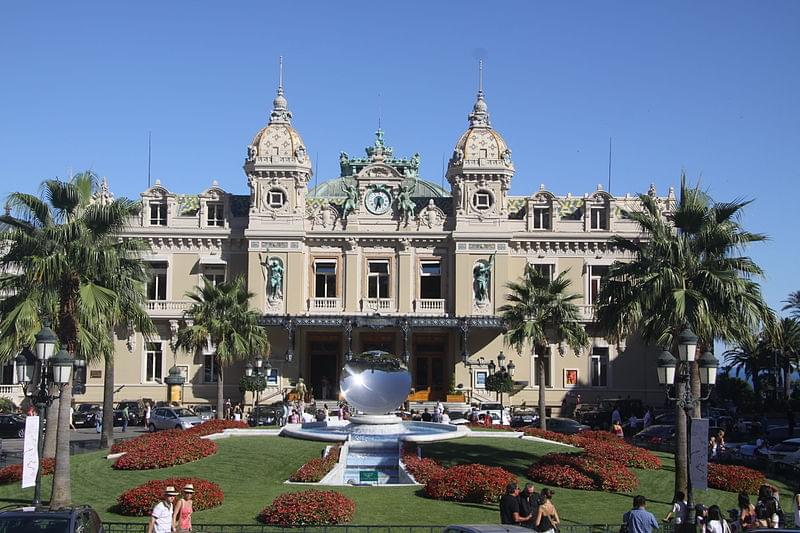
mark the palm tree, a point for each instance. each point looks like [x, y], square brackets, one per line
[60, 247]
[222, 320]
[541, 311]
[793, 304]
[784, 342]
[685, 272]
[748, 356]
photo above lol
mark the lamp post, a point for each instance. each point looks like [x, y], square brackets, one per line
[502, 372]
[674, 372]
[258, 369]
[36, 373]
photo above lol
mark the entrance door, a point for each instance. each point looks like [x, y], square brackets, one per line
[323, 366]
[429, 368]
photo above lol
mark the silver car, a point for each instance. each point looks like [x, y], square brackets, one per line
[205, 412]
[173, 418]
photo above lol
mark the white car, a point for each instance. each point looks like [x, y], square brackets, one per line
[495, 411]
[787, 453]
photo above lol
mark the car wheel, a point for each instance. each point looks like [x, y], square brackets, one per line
[151, 428]
[177, 426]
[21, 433]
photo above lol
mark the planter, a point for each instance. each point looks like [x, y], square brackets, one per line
[456, 398]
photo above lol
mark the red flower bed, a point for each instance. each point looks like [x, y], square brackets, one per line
[734, 478]
[13, 473]
[599, 435]
[316, 469]
[139, 501]
[422, 468]
[469, 483]
[575, 470]
[215, 426]
[619, 451]
[162, 453]
[148, 440]
[550, 435]
[309, 508]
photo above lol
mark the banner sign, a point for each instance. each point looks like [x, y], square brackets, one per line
[30, 457]
[698, 454]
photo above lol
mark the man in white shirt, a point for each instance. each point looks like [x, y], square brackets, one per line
[161, 517]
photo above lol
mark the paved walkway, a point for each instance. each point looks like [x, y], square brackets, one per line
[82, 440]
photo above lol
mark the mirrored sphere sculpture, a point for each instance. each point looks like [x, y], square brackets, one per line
[375, 382]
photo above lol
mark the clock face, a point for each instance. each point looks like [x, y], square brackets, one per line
[377, 202]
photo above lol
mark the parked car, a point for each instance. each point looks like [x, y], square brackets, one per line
[567, 426]
[135, 411]
[12, 426]
[787, 453]
[599, 415]
[265, 415]
[205, 412]
[524, 418]
[496, 411]
[41, 519]
[173, 418]
[656, 437]
[84, 415]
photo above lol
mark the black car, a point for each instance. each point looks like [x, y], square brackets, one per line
[135, 411]
[264, 415]
[599, 415]
[42, 519]
[566, 426]
[656, 437]
[524, 418]
[12, 425]
[84, 415]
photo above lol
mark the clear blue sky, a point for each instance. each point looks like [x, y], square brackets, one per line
[709, 87]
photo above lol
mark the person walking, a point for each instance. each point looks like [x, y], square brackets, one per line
[72, 416]
[528, 504]
[648, 419]
[161, 516]
[509, 506]
[616, 416]
[715, 522]
[639, 519]
[182, 515]
[125, 418]
[796, 502]
[147, 413]
[98, 420]
[679, 508]
[546, 520]
[616, 429]
[747, 511]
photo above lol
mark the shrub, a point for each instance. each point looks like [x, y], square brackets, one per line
[469, 483]
[316, 469]
[139, 501]
[147, 440]
[421, 468]
[210, 427]
[583, 471]
[309, 508]
[550, 435]
[734, 478]
[13, 473]
[619, 451]
[162, 453]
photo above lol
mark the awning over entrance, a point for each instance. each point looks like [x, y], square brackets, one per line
[212, 260]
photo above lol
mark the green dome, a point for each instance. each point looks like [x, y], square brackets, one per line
[335, 189]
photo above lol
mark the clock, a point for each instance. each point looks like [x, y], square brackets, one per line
[378, 202]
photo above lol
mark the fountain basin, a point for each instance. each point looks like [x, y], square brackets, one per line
[336, 431]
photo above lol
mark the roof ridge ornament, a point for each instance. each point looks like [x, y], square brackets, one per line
[479, 118]
[280, 108]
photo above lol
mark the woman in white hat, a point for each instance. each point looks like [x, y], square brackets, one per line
[182, 515]
[161, 517]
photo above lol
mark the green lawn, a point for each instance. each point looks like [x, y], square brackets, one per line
[251, 472]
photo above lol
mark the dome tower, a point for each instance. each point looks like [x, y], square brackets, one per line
[480, 169]
[277, 166]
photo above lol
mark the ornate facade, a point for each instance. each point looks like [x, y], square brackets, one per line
[380, 258]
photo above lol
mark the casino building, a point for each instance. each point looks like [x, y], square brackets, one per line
[380, 258]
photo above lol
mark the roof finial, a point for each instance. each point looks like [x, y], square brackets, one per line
[480, 76]
[280, 108]
[280, 74]
[480, 112]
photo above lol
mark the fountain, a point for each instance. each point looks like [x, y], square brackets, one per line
[373, 383]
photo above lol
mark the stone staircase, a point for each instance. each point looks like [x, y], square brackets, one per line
[372, 457]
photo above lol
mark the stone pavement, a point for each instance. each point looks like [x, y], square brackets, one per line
[82, 440]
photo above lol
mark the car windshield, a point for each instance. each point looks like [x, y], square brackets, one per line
[202, 408]
[184, 412]
[86, 407]
[34, 524]
[789, 447]
[490, 406]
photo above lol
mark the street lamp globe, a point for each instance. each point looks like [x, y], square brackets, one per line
[267, 367]
[45, 343]
[501, 359]
[708, 368]
[26, 366]
[258, 361]
[492, 367]
[687, 344]
[62, 367]
[511, 368]
[666, 365]
[248, 369]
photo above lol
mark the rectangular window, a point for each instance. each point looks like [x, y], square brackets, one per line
[209, 368]
[276, 199]
[154, 362]
[216, 214]
[596, 274]
[430, 280]
[157, 285]
[599, 367]
[325, 279]
[480, 379]
[545, 269]
[158, 213]
[599, 216]
[547, 370]
[541, 217]
[214, 274]
[378, 279]
[483, 200]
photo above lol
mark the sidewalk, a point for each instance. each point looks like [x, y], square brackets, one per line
[82, 440]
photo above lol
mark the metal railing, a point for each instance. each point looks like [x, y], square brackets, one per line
[122, 527]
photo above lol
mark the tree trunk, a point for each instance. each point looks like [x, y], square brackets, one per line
[61, 495]
[51, 431]
[681, 443]
[694, 373]
[787, 383]
[220, 393]
[542, 391]
[107, 435]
